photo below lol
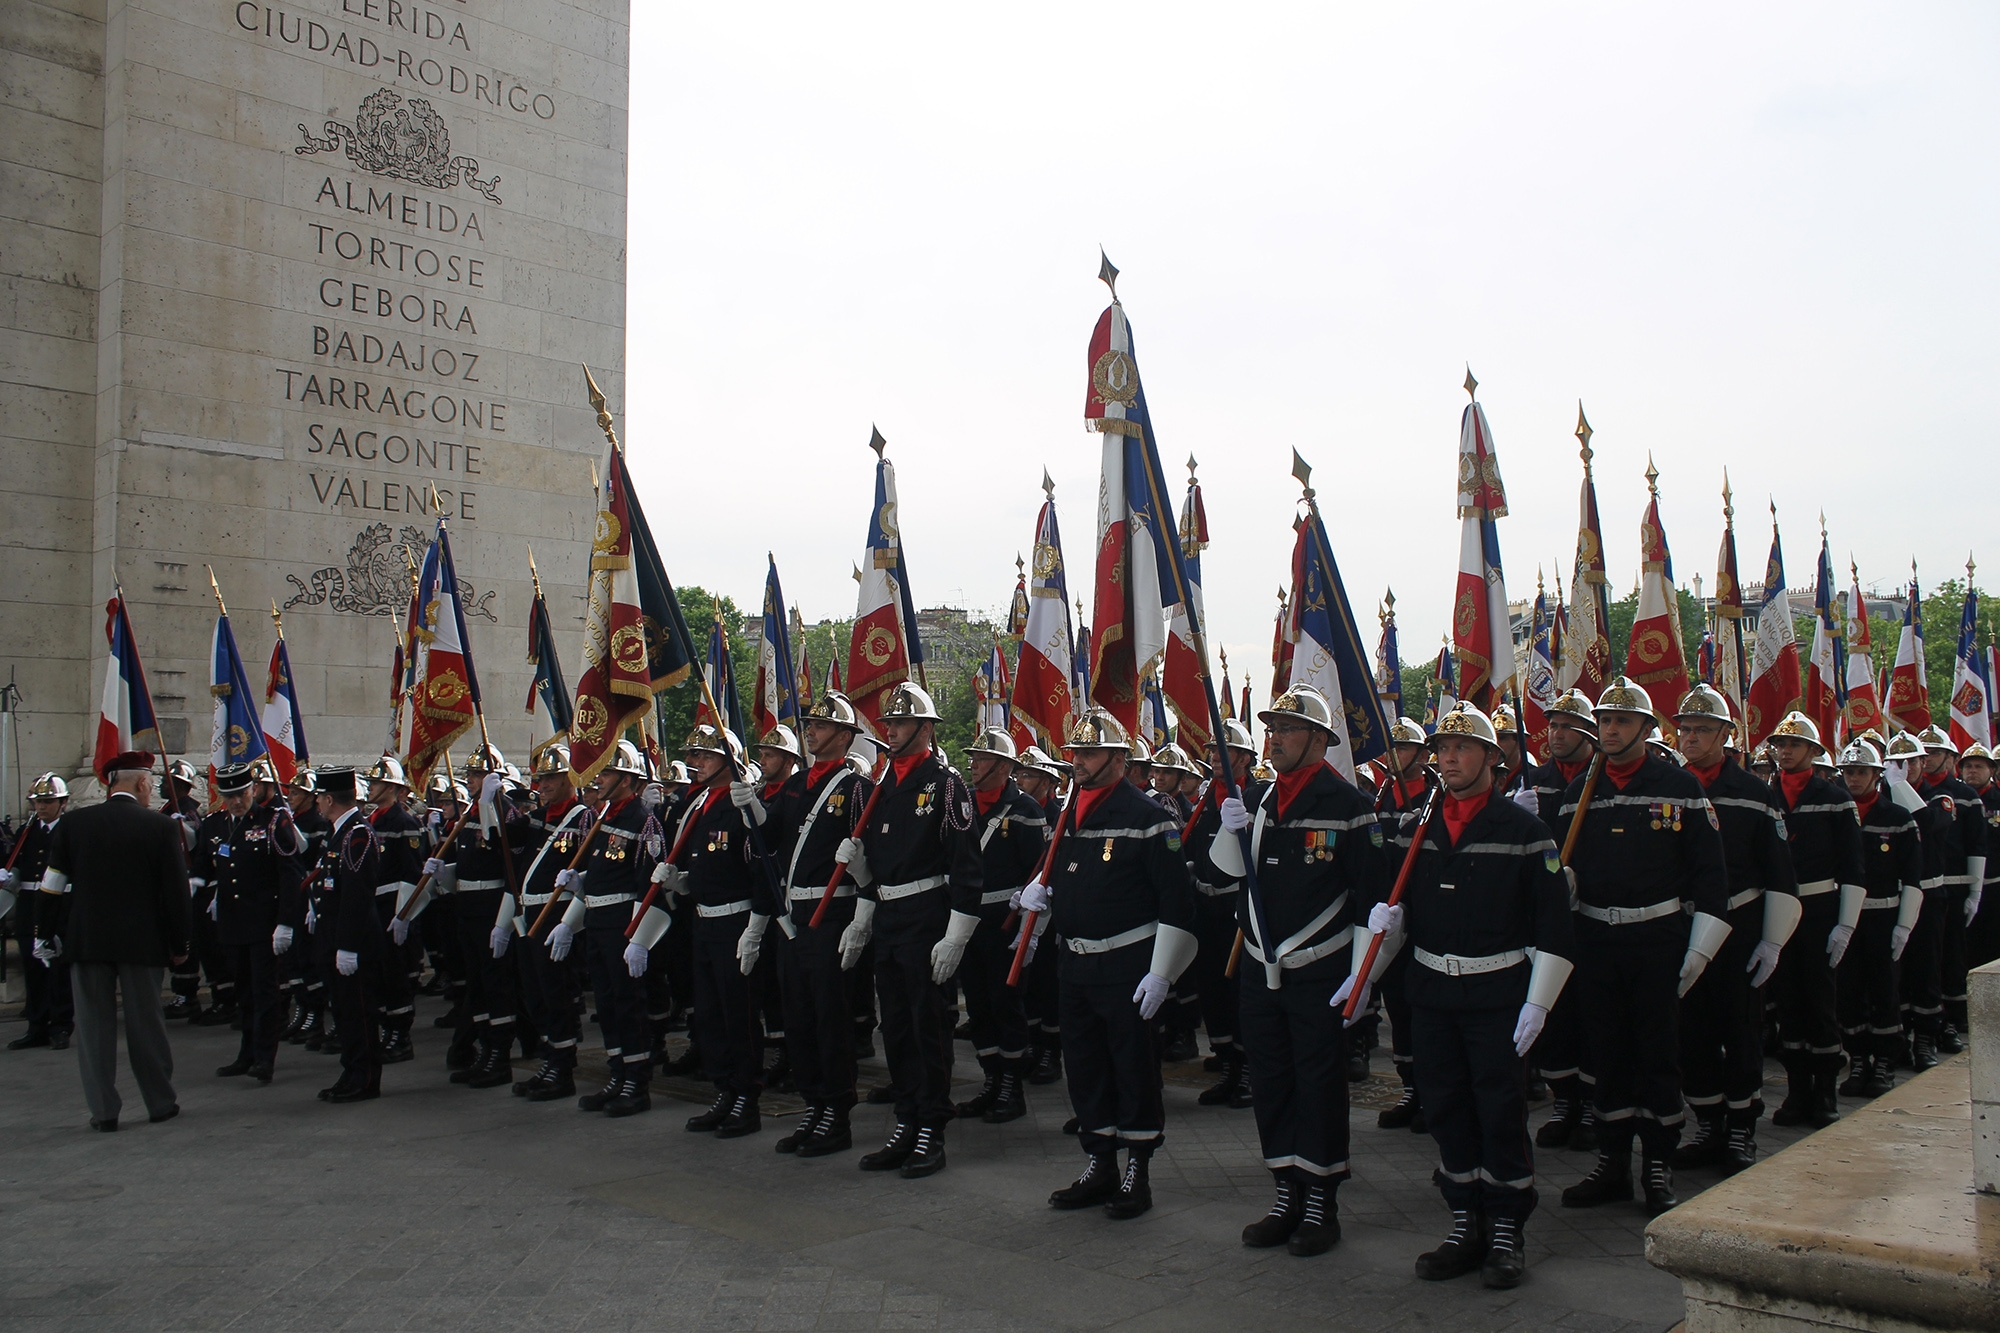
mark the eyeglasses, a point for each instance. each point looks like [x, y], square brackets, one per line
[1285, 729]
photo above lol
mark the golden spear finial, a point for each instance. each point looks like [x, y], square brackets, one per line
[1303, 471]
[1728, 502]
[1190, 469]
[533, 573]
[1388, 606]
[276, 619]
[1583, 434]
[216, 589]
[1652, 476]
[1471, 385]
[1107, 273]
[1048, 484]
[603, 417]
[876, 442]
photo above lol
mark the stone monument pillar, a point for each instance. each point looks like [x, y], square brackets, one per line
[283, 282]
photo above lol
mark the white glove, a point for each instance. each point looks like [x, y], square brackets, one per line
[1528, 1027]
[654, 796]
[1034, 896]
[559, 941]
[1569, 879]
[635, 959]
[1527, 800]
[47, 951]
[1972, 902]
[1034, 940]
[346, 962]
[1899, 938]
[433, 868]
[214, 904]
[949, 952]
[750, 945]
[670, 877]
[1014, 903]
[400, 929]
[1385, 919]
[566, 877]
[490, 787]
[501, 937]
[1152, 993]
[1705, 939]
[1234, 817]
[1763, 962]
[855, 938]
[281, 940]
[743, 796]
[851, 855]
[1339, 999]
[1836, 944]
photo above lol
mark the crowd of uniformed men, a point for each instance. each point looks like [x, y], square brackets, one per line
[1637, 926]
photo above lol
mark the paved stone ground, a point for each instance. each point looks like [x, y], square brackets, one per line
[442, 1208]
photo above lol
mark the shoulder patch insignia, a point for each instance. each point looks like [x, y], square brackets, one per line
[1552, 863]
[1375, 834]
[1173, 842]
[1713, 822]
[1783, 832]
[1948, 805]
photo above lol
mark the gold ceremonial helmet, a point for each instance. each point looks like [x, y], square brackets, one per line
[1141, 752]
[632, 764]
[486, 759]
[836, 708]
[996, 742]
[1704, 701]
[1173, 759]
[181, 771]
[1905, 747]
[1408, 731]
[1797, 726]
[1098, 730]
[1859, 755]
[442, 788]
[304, 781]
[1625, 695]
[783, 739]
[1976, 751]
[1038, 759]
[388, 769]
[909, 700]
[262, 770]
[1572, 704]
[552, 762]
[1465, 720]
[1934, 740]
[1504, 720]
[1236, 736]
[1302, 703]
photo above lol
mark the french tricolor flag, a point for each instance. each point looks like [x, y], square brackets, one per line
[284, 728]
[884, 646]
[125, 720]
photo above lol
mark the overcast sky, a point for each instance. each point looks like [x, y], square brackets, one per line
[1754, 236]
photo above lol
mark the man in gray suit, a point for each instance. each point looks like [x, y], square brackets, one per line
[117, 882]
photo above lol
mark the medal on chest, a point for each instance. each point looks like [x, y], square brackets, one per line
[1107, 849]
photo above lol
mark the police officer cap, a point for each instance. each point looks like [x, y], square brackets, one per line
[234, 778]
[338, 781]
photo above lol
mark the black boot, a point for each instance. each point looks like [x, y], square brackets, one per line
[1407, 1110]
[1881, 1077]
[467, 1060]
[1565, 1115]
[1179, 1049]
[295, 1021]
[597, 1101]
[1709, 1141]
[1608, 1182]
[1797, 1108]
[1659, 1176]
[541, 1078]
[1826, 1099]
[1923, 1054]
[220, 1013]
[494, 1070]
[745, 1118]
[1741, 1150]
[1239, 1098]
[1319, 1224]
[562, 1082]
[988, 1093]
[1856, 1084]
[1584, 1137]
[718, 1111]
[893, 1153]
[1504, 1264]
[398, 1048]
[634, 1095]
[1012, 1103]
[803, 1130]
[179, 1007]
[1135, 1191]
[1276, 1227]
[1357, 1066]
[1225, 1088]
[308, 1028]
[926, 1155]
[1098, 1184]
[1461, 1251]
[1048, 1066]
[1949, 1042]
[833, 1134]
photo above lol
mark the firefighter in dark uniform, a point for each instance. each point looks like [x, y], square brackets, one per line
[346, 915]
[430, 927]
[1317, 849]
[1012, 833]
[1119, 899]
[1892, 874]
[918, 861]
[1039, 778]
[816, 811]
[1216, 892]
[479, 871]
[1959, 817]
[322, 895]
[1516, 764]
[184, 977]
[308, 986]
[551, 990]
[1976, 765]
[779, 757]
[622, 856]
[1409, 783]
[1171, 771]
[1485, 917]
[1722, 1015]
[715, 869]
[247, 855]
[50, 1010]
[1650, 843]
[1558, 1054]
[402, 845]
[1919, 985]
[1825, 839]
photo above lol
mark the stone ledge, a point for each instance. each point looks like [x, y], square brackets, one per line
[1872, 1223]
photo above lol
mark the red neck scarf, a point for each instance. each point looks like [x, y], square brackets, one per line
[1863, 804]
[1793, 785]
[1088, 799]
[1571, 771]
[821, 769]
[1458, 812]
[1620, 774]
[986, 800]
[1409, 791]
[555, 813]
[1707, 775]
[1291, 784]
[904, 763]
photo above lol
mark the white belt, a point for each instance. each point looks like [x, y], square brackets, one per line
[889, 893]
[1627, 916]
[1818, 886]
[1210, 891]
[1457, 965]
[535, 899]
[1287, 947]
[396, 887]
[724, 909]
[607, 899]
[807, 893]
[1736, 900]
[1118, 941]
[1880, 903]
[995, 896]
[480, 885]
[1300, 957]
